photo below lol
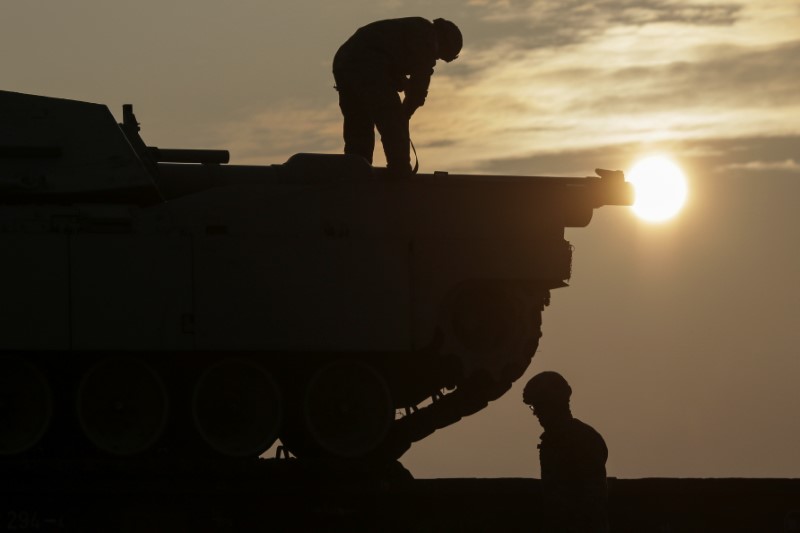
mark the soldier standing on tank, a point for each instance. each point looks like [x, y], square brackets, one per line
[572, 456]
[379, 61]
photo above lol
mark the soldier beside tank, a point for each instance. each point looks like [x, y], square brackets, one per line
[572, 456]
[376, 63]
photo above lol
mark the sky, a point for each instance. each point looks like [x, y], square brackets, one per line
[681, 339]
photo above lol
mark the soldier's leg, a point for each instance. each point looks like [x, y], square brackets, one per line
[359, 129]
[392, 123]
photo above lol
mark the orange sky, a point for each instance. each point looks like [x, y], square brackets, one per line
[680, 340]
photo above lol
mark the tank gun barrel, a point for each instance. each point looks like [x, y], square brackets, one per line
[612, 189]
[574, 197]
[607, 188]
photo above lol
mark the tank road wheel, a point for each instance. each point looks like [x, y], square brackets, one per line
[237, 408]
[26, 405]
[348, 409]
[122, 405]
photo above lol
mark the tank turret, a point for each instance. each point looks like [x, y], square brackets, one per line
[163, 302]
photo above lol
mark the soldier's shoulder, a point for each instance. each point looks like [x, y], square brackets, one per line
[583, 429]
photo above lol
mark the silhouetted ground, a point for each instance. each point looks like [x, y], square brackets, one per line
[283, 497]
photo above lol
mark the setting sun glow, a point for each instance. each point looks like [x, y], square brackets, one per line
[660, 188]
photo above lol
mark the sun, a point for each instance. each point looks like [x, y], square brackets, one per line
[660, 188]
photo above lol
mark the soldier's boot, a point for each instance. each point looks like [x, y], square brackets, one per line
[398, 159]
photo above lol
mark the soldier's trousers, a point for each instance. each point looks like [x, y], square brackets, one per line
[368, 103]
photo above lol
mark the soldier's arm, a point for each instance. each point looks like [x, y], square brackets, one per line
[423, 59]
[416, 91]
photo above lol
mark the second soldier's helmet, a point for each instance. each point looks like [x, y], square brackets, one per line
[449, 37]
[547, 388]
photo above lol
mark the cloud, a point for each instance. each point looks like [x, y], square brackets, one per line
[728, 157]
[679, 71]
[560, 23]
[787, 164]
[625, 12]
[536, 79]
[719, 76]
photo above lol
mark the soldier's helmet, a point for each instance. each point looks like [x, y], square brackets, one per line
[547, 388]
[449, 37]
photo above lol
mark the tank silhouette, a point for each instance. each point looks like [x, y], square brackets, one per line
[162, 302]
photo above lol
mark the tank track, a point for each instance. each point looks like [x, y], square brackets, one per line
[468, 397]
[452, 397]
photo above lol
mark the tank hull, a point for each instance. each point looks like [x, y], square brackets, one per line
[165, 308]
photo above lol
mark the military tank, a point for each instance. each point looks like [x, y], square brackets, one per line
[165, 303]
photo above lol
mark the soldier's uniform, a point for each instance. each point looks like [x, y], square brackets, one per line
[380, 60]
[573, 461]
